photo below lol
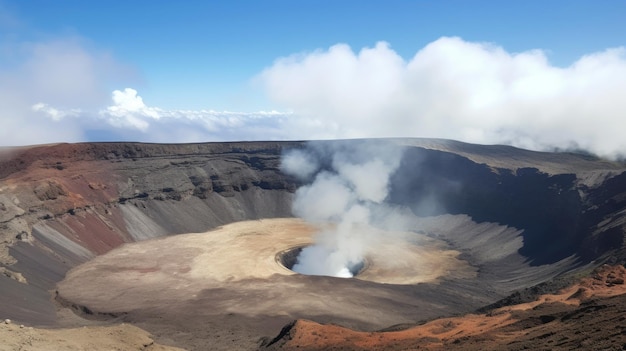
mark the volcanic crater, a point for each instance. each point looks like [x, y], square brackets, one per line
[289, 259]
[194, 242]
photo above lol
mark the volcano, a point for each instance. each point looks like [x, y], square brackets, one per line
[193, 244]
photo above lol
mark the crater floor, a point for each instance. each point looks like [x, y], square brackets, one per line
[241, 257]
[229, 281]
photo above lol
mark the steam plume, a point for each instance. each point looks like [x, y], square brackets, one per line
[348, 184]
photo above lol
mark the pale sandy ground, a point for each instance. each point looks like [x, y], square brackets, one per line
[120, 337]
[233, 270]
[248, 249]
[180, 267]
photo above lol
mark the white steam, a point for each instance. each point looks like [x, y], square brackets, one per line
[300, 164]
[349, 183]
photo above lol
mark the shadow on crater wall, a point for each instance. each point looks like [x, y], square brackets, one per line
[556, 213]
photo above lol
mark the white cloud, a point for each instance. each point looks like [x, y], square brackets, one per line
[53, 113]
[130, 113]
[64, 72]
[44, 83]
[59, 90]
[55, 92]
[474, 92]
[455, 89]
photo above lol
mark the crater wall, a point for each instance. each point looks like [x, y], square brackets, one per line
[62, 205]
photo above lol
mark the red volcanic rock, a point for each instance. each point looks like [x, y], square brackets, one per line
[561, 321]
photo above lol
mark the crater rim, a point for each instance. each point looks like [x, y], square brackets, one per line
[288, 258]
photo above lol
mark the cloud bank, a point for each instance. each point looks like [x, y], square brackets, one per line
[455, 89]
[130, 118]
[62, 72]
[60, 90]
[475, 92]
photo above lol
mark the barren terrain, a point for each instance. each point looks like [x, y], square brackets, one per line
[585, 315]
[116, 337]
[98, 236]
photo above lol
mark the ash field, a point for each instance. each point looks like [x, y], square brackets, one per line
[250, 245]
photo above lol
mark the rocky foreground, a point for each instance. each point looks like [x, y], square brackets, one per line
[588, 315]
[116, 337]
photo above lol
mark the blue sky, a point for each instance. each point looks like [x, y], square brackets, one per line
[231, 56]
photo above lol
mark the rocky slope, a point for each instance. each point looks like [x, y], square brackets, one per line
[519, 218]
[116, 337]
[586, 315]
[61, 205]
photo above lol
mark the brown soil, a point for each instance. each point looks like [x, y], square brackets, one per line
[116, 337]
[231, 276]
[586, 315]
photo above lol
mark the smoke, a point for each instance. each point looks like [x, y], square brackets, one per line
[348, 186]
